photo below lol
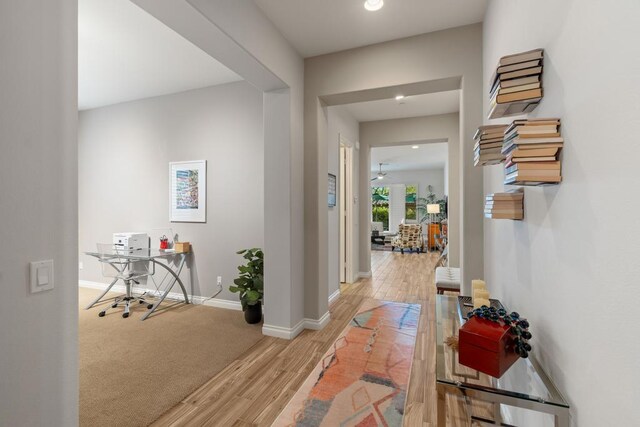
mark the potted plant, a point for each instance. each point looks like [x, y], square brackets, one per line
[250, 284]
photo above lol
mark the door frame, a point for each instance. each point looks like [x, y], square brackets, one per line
[346, 204]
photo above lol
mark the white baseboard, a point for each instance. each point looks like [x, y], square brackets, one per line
[334, 296]
[364, 274]
[319, 324]
[281, 332]
[194, 299]
[220, 303]
[291, 333]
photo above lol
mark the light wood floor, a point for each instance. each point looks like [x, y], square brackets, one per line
[253, 389]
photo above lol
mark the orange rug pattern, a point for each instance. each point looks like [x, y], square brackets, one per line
[362, 380]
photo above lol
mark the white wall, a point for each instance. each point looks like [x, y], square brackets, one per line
[340, 123]
[38, 212]
[572, 265]
[124, 155]
[240, 36]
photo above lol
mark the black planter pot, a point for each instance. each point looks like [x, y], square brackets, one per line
[253, 313]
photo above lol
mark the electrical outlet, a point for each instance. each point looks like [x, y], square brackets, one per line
[219, 280]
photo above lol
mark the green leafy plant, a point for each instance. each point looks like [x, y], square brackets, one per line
[421, 206]
[250, 283]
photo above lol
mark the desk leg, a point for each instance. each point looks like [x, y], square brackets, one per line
[442, 407]
[176, 278]
[101, 295]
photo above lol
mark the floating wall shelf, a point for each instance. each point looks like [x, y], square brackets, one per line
[531, 149]
[516, 85]
[509, 205]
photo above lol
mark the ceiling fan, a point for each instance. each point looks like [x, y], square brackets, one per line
[381, 174]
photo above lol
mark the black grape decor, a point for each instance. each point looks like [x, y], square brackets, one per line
[518, 327]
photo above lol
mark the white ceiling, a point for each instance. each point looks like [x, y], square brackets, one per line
[410, 106]
[126, 54]
[405, 158]
[315, 27]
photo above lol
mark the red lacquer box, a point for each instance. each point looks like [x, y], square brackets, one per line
[486, 346]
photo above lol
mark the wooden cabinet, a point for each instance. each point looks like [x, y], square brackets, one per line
[432, 230]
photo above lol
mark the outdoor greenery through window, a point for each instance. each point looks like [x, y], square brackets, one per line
[410, 204]
[380, 206]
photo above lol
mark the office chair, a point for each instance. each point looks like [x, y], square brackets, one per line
[117, 266]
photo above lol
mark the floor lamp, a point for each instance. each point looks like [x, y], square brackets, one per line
[431, 209]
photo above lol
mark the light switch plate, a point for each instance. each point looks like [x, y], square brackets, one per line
[41, 276]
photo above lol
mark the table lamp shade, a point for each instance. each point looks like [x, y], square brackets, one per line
[433, 208]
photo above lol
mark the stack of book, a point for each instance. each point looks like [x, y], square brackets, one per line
[516, 85]
[488, 147]
[531, 148]
[509, 205]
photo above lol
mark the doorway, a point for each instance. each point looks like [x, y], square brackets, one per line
[346, 210]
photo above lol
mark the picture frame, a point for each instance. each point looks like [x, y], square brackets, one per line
[331, 199]
[188, 191]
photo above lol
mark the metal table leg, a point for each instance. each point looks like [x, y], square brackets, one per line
[176, 278]
[102, 294]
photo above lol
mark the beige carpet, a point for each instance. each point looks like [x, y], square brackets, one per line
[131, 372]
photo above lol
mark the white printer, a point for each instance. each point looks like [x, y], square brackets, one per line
[131, 241]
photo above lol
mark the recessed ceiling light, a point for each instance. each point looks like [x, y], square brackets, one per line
[373, 5]
[399, 97]
[415, 147]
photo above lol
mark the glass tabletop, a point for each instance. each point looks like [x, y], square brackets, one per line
[524, 380]
[133, 254]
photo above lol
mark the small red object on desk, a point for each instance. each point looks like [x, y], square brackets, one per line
[486, 346]
[164, 242]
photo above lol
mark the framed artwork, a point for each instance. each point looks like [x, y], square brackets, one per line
[188, 191]
[332, 191]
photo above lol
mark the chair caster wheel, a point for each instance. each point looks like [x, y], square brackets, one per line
[141, 302]
[149, 307]
[101, 314]
[114, 305]
[125, 315]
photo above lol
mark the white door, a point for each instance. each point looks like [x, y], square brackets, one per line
[346, 211]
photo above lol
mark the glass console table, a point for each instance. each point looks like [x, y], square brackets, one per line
[476, 397]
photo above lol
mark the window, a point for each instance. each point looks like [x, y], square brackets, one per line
[410, 204]
[380, 206]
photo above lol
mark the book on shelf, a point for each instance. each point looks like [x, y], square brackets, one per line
[515, 58]
[508, 205]
[532, 180]
[530, 151]
[517, 81]
[478, 145]
[509, 195]
[502, 91]
[533, 172]
[522, 81]
[531, 148]
[489, 130]
[518, 216]
[533, 176]
[487, 149]
[519, 66]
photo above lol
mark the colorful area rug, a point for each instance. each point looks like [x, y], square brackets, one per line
[362, 380]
